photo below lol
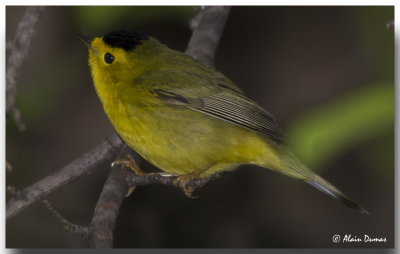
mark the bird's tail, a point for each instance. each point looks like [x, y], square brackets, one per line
[296, 168]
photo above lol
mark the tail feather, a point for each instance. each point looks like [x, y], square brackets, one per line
[329, 189]
[319, 183]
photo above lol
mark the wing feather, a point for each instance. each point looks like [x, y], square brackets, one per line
[212, 94]
[238, 110]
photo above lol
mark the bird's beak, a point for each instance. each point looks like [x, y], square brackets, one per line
[84, 39]
[87, 41]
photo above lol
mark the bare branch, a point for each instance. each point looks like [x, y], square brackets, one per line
[146, 179]
[69, 173]
[19, 51]
[106, 211]
[205, 38]
[195, 21]
[202, 46]
[67, 226]
[107, 207]
[119, 181]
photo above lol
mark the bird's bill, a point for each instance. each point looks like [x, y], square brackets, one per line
[87, 41]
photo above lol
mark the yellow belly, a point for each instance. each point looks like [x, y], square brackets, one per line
[179, 140]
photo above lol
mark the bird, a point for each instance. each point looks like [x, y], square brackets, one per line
[187, 118]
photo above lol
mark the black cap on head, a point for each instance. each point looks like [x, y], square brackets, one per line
[124, 39]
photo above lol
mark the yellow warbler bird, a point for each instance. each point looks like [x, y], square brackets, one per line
[185, 117]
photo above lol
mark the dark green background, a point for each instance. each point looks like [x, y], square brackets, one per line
[326, 73]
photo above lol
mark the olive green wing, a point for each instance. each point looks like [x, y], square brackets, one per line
[218, 98]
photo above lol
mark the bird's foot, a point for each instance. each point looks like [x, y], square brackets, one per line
[183, 183]
[129, 163]
[130, 191]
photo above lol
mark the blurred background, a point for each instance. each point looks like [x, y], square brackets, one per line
[325, 73]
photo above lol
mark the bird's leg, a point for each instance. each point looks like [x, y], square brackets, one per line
[131, 164]
[183, 181]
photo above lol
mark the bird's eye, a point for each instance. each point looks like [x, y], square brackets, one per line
[108, 58]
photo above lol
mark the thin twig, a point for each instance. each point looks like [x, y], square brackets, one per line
[19, 51]
[202, 46]
[84, 165]
[67, 226]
